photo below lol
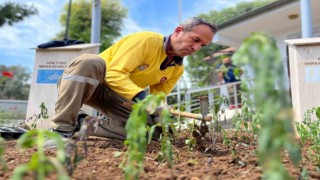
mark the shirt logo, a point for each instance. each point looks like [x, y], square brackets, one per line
[163, 79]
[143, 67]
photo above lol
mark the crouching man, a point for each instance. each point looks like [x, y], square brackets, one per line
[120, 74]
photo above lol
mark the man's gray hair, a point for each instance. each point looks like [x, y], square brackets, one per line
[195, 21]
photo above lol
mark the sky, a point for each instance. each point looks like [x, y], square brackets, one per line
[17, 42]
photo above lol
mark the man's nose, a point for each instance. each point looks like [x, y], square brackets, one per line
[196, 47]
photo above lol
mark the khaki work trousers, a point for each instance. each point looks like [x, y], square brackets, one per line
[83, 82]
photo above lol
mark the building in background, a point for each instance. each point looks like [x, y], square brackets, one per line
[281, 19]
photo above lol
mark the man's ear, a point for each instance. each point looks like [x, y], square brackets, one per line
[178, 30]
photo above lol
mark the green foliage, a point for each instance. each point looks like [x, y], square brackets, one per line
[260, 52]
[202, 73]
[191, 142]
[13, 12]
[2, 148]
[226, 141]
[309, 130]
[166, 123]
[41, 165]
[73, 155]
[6, 117]
[304, 174]
[16, 87]
[248, 120]
[43, 112]
[218, 115]
[43, 115]
[224, 15]
[136, 134]
[112, 15]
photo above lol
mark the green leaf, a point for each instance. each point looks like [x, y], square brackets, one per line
[304, 174]
[318, 113]
[19, 172]
[117, 154]
[27, 140]
[151, 131]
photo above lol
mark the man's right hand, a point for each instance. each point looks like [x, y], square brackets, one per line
[160, 109]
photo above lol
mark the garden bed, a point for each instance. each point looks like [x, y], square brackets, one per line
[205, 161]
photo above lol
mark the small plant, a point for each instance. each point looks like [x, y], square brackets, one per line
[73, 157]
[260, 52]
[166, 124]
[40, 165]
[191, 142]
[309, 130]
[136, 134]
[304, 175]
[73, 154]
[2, 148]
[248, 120]
[218, 115]
[42, 115]
[226, 140]
[43, 112]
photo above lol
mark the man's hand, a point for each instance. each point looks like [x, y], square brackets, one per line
[160, 109]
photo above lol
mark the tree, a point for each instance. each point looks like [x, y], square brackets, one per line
[112, 15]
[202, 72]
[12, 12]
[14, 82]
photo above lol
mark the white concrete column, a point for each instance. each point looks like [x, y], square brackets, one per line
[306, 18]
[96, 21]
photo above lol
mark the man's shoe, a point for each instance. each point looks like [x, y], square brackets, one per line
[81, 117]
[67, 134]
[52, 144]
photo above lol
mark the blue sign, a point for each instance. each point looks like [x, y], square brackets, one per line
[312, 74]
[48, 76]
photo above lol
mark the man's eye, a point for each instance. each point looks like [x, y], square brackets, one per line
[196, 40]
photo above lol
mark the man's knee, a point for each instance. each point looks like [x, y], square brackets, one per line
[88, 63]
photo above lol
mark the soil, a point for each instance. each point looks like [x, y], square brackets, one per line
[205, 161]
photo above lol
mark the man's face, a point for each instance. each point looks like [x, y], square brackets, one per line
[188, 42]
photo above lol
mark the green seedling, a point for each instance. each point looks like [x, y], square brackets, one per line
[248, 120]
[166, 124]
[309, 130]
[215, 127]
[304, 175]
[260, 52]
[73, 153]
[226, 140]
[191, 142]
[40, 166]
[43, 112]
[41, 116]
[136, 134]
[179, 119]
[2, 148]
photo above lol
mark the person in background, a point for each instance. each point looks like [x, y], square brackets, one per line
[118, 76]
[226, 74]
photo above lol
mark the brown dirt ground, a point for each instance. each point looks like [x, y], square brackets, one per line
[217, 162]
